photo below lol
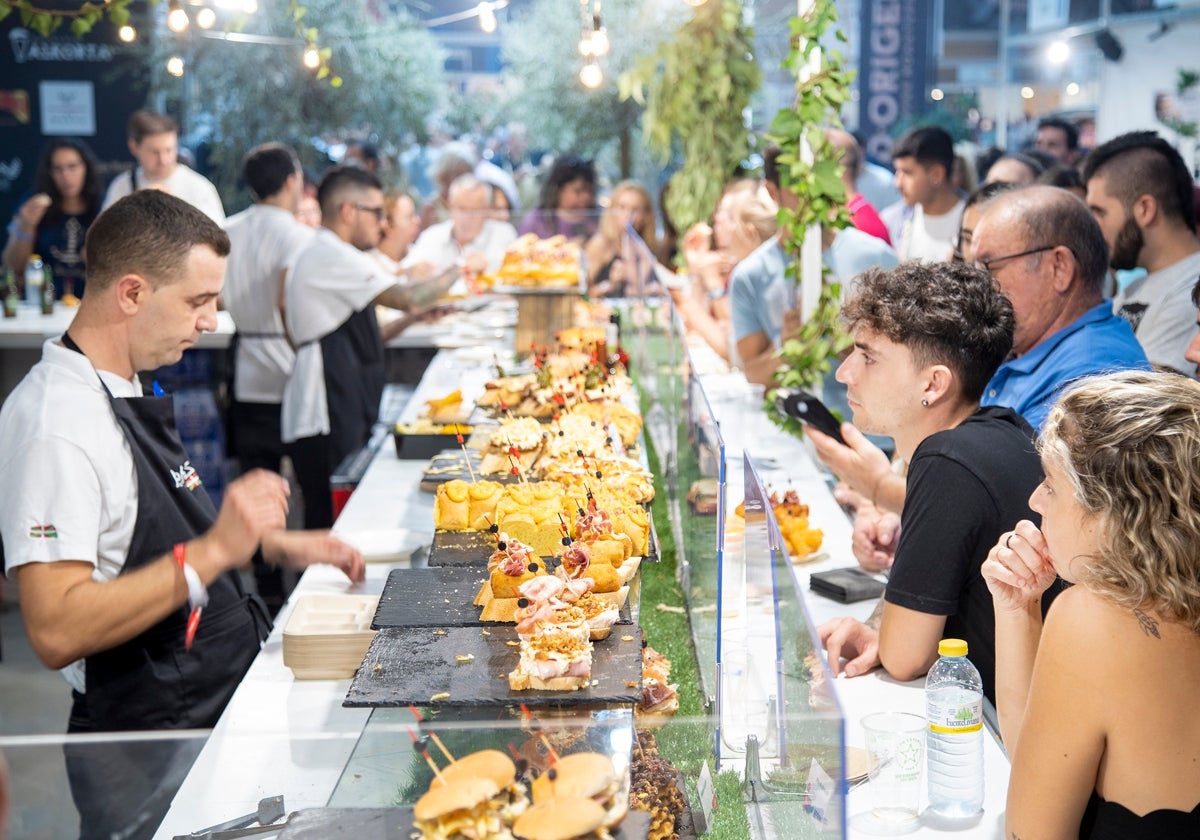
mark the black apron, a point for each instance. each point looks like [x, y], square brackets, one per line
[122, 789]
[354, 376]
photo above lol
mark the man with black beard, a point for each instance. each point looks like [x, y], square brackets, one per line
[1140, 191]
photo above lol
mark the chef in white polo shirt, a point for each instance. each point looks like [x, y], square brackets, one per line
[154, 143]
[332, 398]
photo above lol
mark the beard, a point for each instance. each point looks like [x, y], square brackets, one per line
[1127, 247]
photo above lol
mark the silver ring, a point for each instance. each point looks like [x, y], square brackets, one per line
[1006, 540]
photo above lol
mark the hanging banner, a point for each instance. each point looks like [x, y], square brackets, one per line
[894, 69]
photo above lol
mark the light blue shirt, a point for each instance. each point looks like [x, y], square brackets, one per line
[1096, 342]
[759, 293]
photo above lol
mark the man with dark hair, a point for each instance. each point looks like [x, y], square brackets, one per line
[927, 337]
[1059, 139]
[1049, 257]
[1140, 191]
[924, 162]
[265, 240]
[154, 142]
[332, 398]
[113, 540]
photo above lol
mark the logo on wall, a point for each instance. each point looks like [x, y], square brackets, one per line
[29, 46]
[10, 171]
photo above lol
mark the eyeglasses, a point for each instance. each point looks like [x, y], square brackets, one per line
[987, 264]
[377, 212]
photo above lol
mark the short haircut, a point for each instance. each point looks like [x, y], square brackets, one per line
[755, 208]
[945, 313]
[266, 168]
[150, 233]
[851, 157]
[469, 183]
[1142, 163]
[1052, 216]
[929, 144]
[1067, 128]
[983, 195]
[340, 184]
[143, 124]
[1128, 442]
[1062, 176]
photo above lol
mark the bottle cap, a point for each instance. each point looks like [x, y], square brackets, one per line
[952, 647]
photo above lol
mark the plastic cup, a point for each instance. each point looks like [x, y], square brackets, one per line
[896, 753]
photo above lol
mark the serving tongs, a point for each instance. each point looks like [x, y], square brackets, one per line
[270, 811]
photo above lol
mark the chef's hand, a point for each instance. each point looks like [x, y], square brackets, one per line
[850, 639]
[297, 550]
[254, 505]
[1018, 570]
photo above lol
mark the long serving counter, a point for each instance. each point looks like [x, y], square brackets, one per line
[283, 736]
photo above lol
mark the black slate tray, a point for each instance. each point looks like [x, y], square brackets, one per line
[392, 823]
[439, 597]
[413, 664]
[450, 464]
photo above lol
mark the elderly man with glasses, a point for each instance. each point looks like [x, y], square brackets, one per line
[1049, 256]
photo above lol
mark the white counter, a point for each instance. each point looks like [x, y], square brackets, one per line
[30, 329]
[283, 736]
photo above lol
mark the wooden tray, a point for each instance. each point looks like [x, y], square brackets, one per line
[326, 636]
[416, 664]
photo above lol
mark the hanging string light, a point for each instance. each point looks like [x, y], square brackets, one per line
[591, 76]
[177, 18]
[593, 43]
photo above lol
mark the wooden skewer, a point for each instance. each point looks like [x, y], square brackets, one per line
[541, 734]
[433, 735]
[466, 455]
[425, 754]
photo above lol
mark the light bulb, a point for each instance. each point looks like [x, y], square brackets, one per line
[177, 19]
[600, 42]
[1073, 89]
[487, 18]
[205, 18]
[937, 94]
[250, 6]
[585, 46]
[175, 66]
[1058, 52]
[591, 75]
[312, 59]
[1027, 92]
[127, 34]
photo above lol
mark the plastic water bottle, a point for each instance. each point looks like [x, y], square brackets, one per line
[34, 277]
[954, 746]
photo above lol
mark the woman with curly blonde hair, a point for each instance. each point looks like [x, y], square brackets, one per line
[1097, 708]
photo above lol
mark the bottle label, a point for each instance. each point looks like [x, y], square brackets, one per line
[958, 712]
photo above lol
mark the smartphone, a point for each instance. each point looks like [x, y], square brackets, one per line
[808, 409]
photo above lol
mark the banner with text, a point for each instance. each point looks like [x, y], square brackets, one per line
[894, 68]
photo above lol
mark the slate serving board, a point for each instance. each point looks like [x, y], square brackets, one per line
[439, 597]
[413, 664]
[450, 464]
[390, 823]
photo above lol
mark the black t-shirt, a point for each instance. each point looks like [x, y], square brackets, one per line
[966, 486]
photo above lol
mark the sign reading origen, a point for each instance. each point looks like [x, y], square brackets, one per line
[893, 68]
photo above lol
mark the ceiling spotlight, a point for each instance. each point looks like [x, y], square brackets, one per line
[1027, 92]
[205, 18]
[487, 17]
[1058, 52]
[177, 19]
[175, 66]
[937, 95]
[312, 59]
[127, 33]
[591, 75]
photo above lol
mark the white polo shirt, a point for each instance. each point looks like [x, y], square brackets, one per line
[330, 281]
[264, 242]
[70, 483]
[183, 183]
[436, 245]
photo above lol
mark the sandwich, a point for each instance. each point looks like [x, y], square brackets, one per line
[568, 818]
[474, 797]
[586, 775]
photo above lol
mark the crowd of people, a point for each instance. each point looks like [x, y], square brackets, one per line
[1028, 344]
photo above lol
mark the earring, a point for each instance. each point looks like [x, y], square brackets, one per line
[925, 403]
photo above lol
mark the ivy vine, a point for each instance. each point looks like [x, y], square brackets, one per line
[84, 18]
[821, 92]
[1187, 81]
[695, 88]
